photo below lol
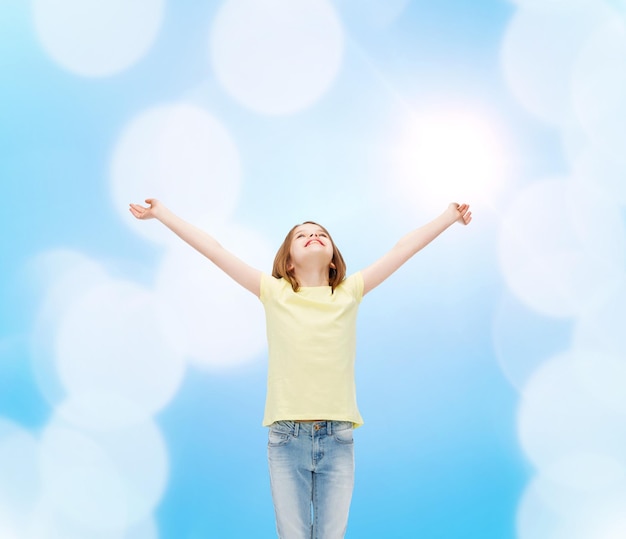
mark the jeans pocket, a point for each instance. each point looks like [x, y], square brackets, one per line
[344, 436]
[278, 436]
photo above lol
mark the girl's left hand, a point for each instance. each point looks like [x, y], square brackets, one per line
[460, 212]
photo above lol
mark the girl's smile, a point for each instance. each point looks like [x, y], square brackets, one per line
[314, 240]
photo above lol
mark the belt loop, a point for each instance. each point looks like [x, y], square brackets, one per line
[296, 428]
[329, 428]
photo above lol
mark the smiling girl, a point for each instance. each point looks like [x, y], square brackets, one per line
[311, 408]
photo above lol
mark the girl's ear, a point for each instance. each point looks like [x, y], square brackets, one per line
[332, 265]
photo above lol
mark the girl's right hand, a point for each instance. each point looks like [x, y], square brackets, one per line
[141, 212]
[460, 213]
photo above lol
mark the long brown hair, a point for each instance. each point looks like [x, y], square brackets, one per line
[282, 261]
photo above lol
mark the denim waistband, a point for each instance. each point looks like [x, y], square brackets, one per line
[327, 427]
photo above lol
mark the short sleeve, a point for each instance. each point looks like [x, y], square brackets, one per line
[354, 285]
[270, 287]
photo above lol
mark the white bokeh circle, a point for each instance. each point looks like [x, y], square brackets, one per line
[603, 170]
[549, 510]
[97, 38]
[100, 411]
[182, 155]
[599, 86]
[534, 518]
[62, 276]
[7, 530]
[519, 339]
[109, 342]
[47, 522]
[80, 480]
[558, 416]
[373, 12]
[276, 56]
[613, 527]
[146, 529]
[539, 51]
[205, 314]
[20, 482]
[106, 481]
[598, 350]
[562, 247]
[603, 376]
[551, 5]
[602, 329]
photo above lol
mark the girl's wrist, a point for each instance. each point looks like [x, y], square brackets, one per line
[451, 215]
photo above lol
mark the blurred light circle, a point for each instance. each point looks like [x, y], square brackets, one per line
[81, 481]
[539, 51]
[598, 348]
[587, 473]
[140, 456]
[551, 5]
[450, 154]
[105, 480]
[373, 12]
[204, 313]
[146, 529]
[558, 416]
[47, 522]
[97, 38]
[599, 86]
[99, 411]
[276, 56]
[109, 342]
[602, 329]
[182, 155]
[603, 376]
[6, 532]
[613, 527]
[536, 519]
[20, 482]
[520, 338]
[603, 170]
[574, 141]
[62, 276]
[562, 247]
[549, 510]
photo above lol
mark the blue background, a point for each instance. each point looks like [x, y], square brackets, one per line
[439, 455]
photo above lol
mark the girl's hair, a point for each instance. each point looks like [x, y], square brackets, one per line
[282, 261]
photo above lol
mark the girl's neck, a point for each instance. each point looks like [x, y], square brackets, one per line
[311, 276]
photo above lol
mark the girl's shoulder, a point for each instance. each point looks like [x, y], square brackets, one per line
[353, 284]
[271, 285]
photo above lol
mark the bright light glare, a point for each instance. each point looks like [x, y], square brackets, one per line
[451, 155]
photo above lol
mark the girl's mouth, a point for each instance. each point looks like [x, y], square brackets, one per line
[315, 240]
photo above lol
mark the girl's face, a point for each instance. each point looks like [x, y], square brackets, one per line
[311, 242]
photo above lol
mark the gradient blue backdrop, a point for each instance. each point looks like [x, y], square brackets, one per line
[439, 455]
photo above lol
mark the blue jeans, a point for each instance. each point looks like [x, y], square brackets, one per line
[312, 475]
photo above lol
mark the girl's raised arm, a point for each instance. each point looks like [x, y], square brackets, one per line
[412, 243]
[245, 275]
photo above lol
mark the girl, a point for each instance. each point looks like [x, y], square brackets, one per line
[310, 308]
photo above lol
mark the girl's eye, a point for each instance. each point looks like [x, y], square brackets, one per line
[323, 235]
